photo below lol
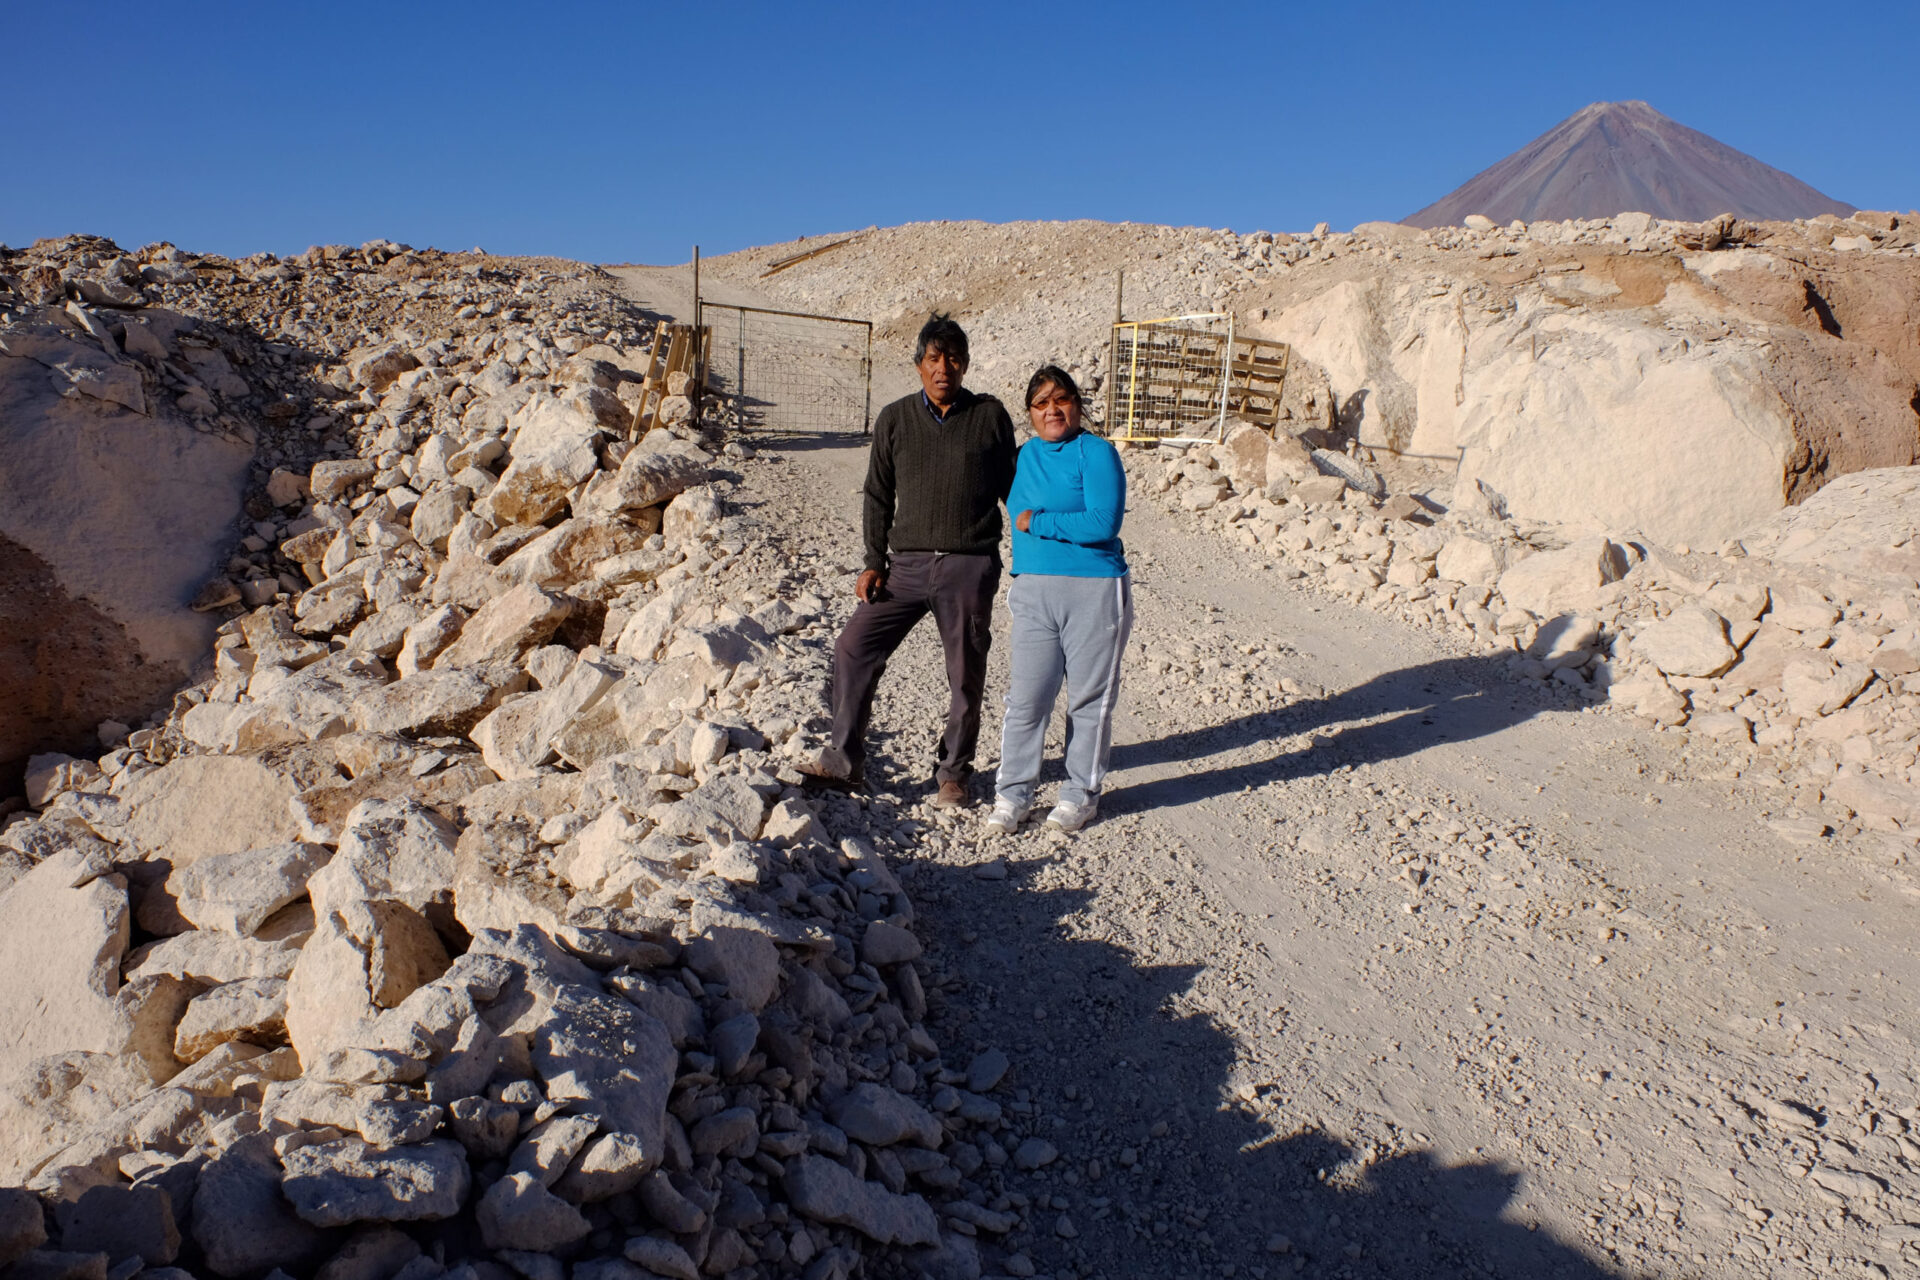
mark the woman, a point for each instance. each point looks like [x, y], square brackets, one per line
[1072, 604]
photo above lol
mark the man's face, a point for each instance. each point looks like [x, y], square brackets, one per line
[940, 374]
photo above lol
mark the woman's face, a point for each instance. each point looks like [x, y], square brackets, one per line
[1054, 413]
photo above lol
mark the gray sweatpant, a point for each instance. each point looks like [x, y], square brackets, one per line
[1074, 628]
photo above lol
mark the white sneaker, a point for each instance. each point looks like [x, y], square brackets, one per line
[1005, 818]
[1072, 817]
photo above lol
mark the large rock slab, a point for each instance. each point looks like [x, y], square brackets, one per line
[213, 957]
[609, 1057]
[121, 1222]
[252, 1009]
[332, 1184]
[1865, 526]
[555, 446]
[110, 522]
[395, 850]
[1691, 641]
[237, 892]
[363, 957]
[200, 806]
[242, 1223]
[506, 627]
[646, 478]
[518, 1212]
[1553, 582]
[880, 1116]
[63, 932]
[827, 1192]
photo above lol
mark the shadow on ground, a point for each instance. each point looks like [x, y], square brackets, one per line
[1102, 1060]
[773, 438]
[1401, 713]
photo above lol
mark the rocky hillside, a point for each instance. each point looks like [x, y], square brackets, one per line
[1681, 381]
[461, 916]
[1616, 157]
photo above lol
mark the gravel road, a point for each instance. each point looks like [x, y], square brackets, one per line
[1380, 963]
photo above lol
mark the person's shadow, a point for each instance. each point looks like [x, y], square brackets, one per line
[1160, 1172]
[1397, 714]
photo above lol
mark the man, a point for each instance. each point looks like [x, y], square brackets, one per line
[940, 466]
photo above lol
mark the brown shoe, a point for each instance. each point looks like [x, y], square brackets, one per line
[951, 795]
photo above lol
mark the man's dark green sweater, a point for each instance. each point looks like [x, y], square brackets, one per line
[937, 484]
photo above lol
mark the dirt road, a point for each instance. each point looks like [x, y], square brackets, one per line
[1413, 970]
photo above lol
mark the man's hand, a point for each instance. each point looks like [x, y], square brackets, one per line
[869, 586]
[1022, 520]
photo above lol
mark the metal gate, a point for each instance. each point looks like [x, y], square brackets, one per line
[1182, 377]
[789, 370]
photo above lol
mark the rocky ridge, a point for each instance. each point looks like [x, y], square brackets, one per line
[465, 917]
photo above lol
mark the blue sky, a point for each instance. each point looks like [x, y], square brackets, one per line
[629, 132]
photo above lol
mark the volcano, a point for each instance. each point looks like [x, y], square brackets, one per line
[1619, 157]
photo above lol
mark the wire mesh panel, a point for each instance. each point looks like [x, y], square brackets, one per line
[788, 371]
[1169, 377]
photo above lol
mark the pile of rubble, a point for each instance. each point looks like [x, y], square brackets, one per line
[145, 398]
[466, 918]
[1794, 649]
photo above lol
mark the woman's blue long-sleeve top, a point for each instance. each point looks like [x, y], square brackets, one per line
[1077, 492]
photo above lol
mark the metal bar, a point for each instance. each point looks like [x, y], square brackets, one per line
[1226, 380]
[1133, 379]
[740, 366]
[699, 348]
[796, 315]
[1198, 315]
[866, 412]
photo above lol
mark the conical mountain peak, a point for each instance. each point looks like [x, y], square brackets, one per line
[1616, 157]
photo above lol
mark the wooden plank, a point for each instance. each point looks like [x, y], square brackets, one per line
[794, 259]
[647, 381]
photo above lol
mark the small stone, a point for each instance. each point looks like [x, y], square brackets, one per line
[662, 1256]
[1035, 1153]
[986, 1071]
[879, 1116]
[724, 1131]
[732, 1043]
[518, 1212]
[888, 944]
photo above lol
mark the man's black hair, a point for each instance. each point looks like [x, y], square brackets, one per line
[1054, 375]
[941, 332]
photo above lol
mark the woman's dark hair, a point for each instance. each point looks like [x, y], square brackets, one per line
[942, 332]
[1053, 374]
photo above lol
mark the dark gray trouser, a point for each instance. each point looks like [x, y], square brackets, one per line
[958, 591]
[1074, 628]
